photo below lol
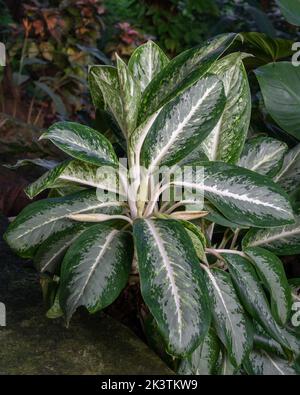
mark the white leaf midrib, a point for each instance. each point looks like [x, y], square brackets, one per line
[170, 274]
[281, 235]
[107, 204]
[226, 193]
[108, 240]
[181, 125]
[215, 284]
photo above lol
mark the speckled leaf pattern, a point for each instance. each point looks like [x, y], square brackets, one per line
[251, 294]
[181, 72]
[289, 174]
[69, 172]
[272, 274]
[183, 123]
[130, 93]
[266, 364]
[229, 317]
[43, 218]
[45, 163]
[104, 85]
[242, 196]
[146, 61]
[263, 155]
[95, 269]
[82, 142]
[197, 237]
[283, 240]
[215, 216]
[172, 283]
[51, 252]
[226, 141]
[204, 359]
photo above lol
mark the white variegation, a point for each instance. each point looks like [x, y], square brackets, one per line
[172, 288]
[240, 195]
[81, 142]
[229, 316]
[41, 219]
[178, 123]
[45, 163]
[264, 363]
[130, 94]
[105, 178]
[226, 140]
[95, 269]
[263, 155]
[146, 61]
[282, 240]
[289, 174]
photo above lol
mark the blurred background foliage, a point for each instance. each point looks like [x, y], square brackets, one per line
[51, 43]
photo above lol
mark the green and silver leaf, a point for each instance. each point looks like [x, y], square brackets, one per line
[242, 196]
[130, 93]
[283, 240]
[146, 62]
[266, 364]
[289, 174]
[82, 142]
[252, 296]
[95, 269]
[41, 219]
[271, 271]
[183, 123]
[69, 172]
[172, 283]
[204, 359]
[263, 155]
[52, 250]
[105, 87]
[230, 320]
[182, 72]
[226, 141]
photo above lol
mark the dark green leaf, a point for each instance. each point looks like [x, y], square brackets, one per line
[172, 283]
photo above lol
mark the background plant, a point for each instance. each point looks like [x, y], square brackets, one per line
[215, 293]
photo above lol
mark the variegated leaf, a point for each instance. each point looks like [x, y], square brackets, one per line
[41, 219]
[266, 364]
[242, 196]
[263, 155]
[130, 93]
[146, 62]
[69, 172]
[230, 320]
[95, 269]
[283, 240]
[82, 142]
[45, 163]
[52, 250]
[271, 271]
[104, 86]
[252, 295]
[226, 141]
[172, 283]
[204, 359]
[181, 72]
[183, 123]
[289, 174]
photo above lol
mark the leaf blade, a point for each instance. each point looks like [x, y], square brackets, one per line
[165, 256]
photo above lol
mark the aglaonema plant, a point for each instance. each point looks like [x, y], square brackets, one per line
[208, 268]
